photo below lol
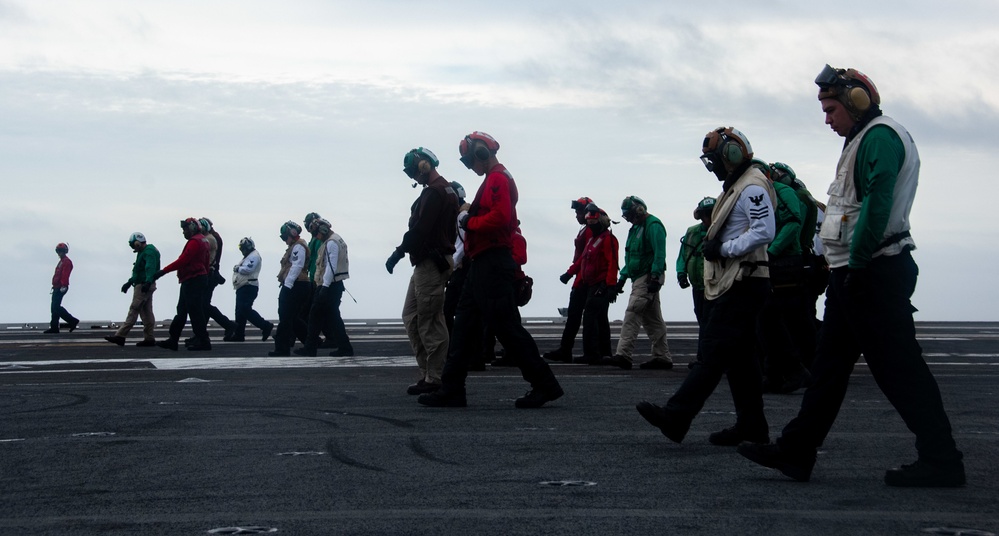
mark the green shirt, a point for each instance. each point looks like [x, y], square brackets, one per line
[879, 160]
[811, 213]
[690, 261]
[314, 246]
[787, 241]
[645, 249]
[147, 263]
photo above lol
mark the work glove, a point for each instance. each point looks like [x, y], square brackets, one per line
[235, 268]
[463, 220]
[146, 286]
[564, 278]
[712, 249]
[857, 283]
[619, 287]
[394, 259]
[601, 290]
[126, 286]
[63, 289]
[321, 293]
[158, 274]
[681, 279]
[654, 284]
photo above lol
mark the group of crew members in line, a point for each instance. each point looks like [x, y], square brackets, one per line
[750, 262]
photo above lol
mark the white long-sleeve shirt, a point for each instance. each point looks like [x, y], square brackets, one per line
[751, 223]
[332, 256]
[298, 255]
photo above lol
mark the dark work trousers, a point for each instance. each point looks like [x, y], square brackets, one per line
[58, 311]
[452, 293]
[191, 302]
[698, 295]
[573, 319]
[801, 324]
[245, 296]
[775, 343]
[213, 312]
[337, 329]
[488, 300]
[596, 327]
[727, 342]
[325, 305]
[291, 301]
[875, 320]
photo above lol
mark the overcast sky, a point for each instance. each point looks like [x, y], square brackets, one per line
[122, 116]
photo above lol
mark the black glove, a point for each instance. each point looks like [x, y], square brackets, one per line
[146, 286]
[712, 250]
[394, 259]
[857, 283]
[654, 284]
[619, 287]
[321, 293]
[681, 279]
[601, 290]
[126, 286]
[159, 274]
[219, 279]
[564, 278]
[463, 221]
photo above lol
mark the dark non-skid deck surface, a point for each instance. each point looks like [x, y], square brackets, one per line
[97, 439]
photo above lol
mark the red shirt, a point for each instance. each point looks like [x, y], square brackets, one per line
[193, 261]
[582, 238]
[61, 276]
[598, 263]
[493, 215]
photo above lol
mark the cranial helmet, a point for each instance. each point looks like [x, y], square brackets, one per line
[849, 86]
[62, 247]
[190, 225]
[762, 166]
[477, 146]
[206, 225]
[136, 237]
[633, 206]
[783, 173]
[459, 190]
[725, 147]
[290, 229]
[579, 205]
[418, 162]
[704, 205]
[310, 217]
[323, 227]
[246, 245]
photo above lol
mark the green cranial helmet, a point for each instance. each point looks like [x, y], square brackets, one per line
[762, 166]
[419, 161]
[704, 206]
[290, 229]
[783, 173]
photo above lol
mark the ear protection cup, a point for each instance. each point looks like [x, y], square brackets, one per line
[859, 98]
[731, 151]
[480, 151]
[640, 209]
[424, 167]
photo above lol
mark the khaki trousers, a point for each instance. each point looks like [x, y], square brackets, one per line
[643, 310]
[141, 307]
[423, 316]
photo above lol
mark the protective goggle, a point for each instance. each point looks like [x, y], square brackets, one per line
[829, 77]
[710, 161]
[467, 159]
